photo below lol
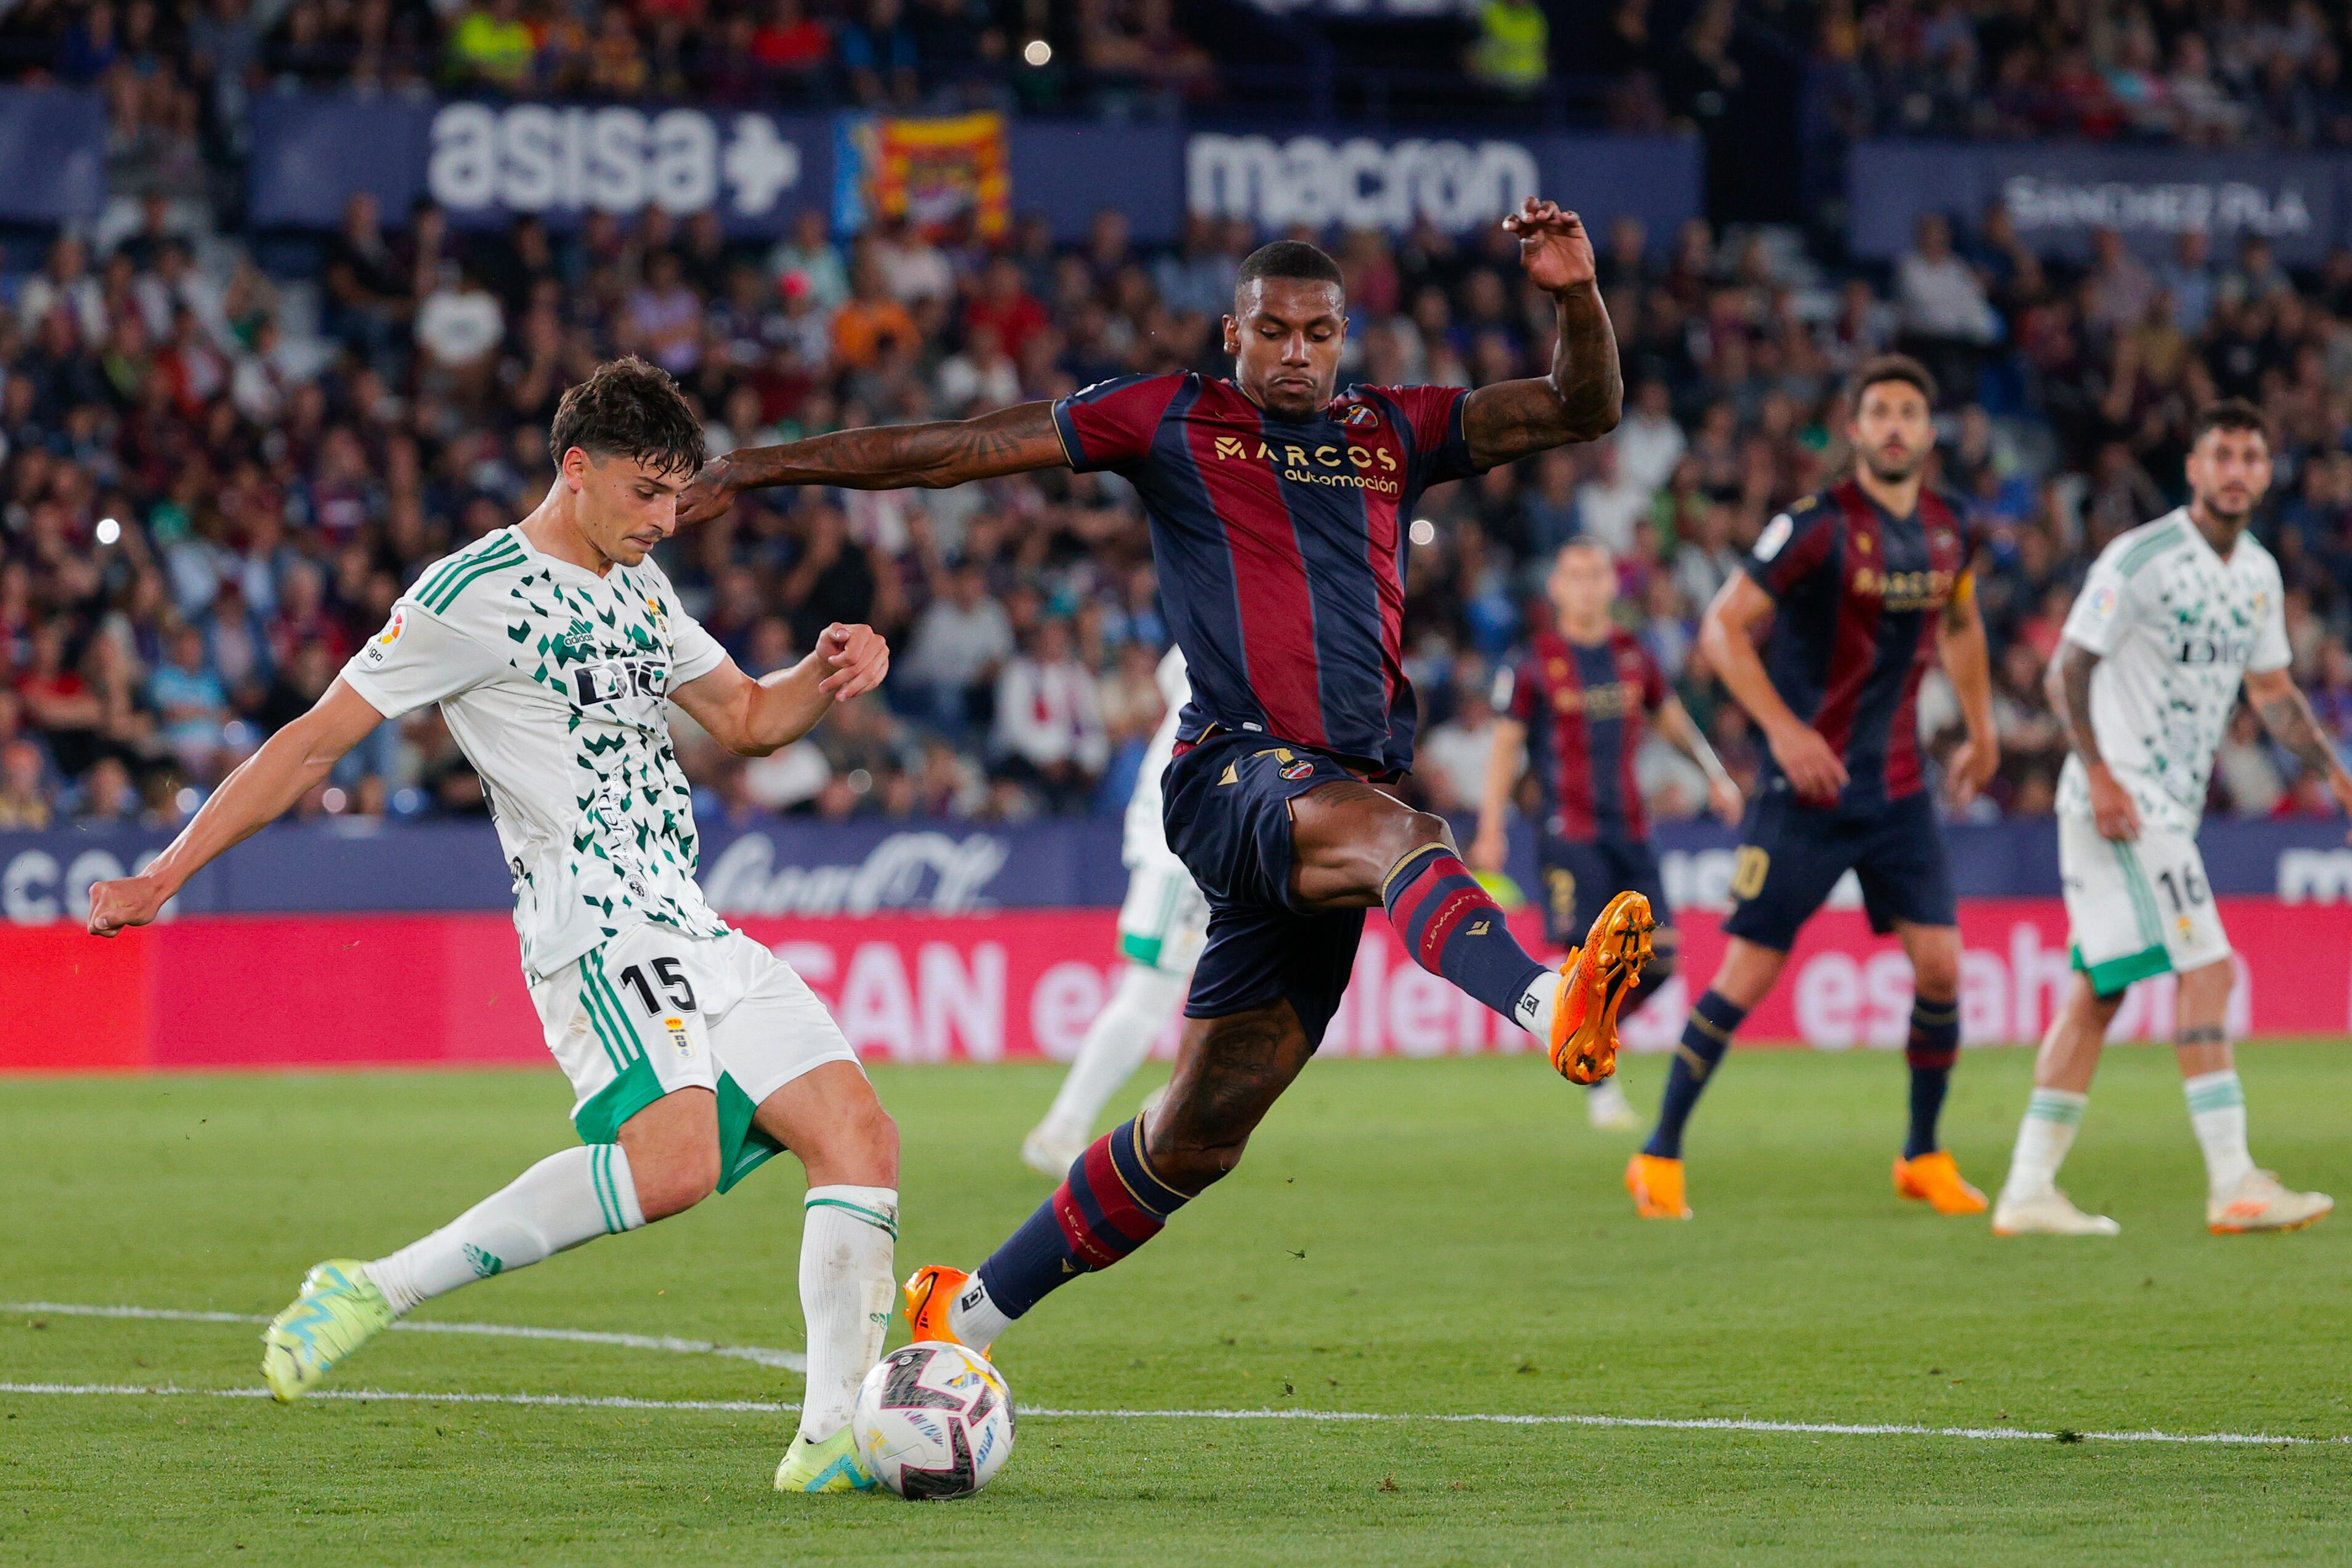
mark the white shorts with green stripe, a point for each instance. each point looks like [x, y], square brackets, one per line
[1164, 921]
[654, 1010]
[2137, 908]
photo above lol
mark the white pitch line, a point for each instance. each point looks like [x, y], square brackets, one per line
[788, 1360]
[769, 1408]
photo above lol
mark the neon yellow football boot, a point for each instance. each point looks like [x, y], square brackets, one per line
[830, 1466]
[339, 1311]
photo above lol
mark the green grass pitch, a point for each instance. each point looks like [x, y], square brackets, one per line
[1405, 1236]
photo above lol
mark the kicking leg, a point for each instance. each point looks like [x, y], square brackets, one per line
[1353, 846]
[666, 1162]
[2031, 1203]
[1120, 1192]
[830, 1117]
[1115, 1046]
[2239, 1197]
[1655, 1176]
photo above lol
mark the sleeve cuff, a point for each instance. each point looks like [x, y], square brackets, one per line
[370, 693]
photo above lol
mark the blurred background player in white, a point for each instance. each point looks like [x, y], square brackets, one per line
[552, 648]
[1162, 925]
[2173, 615]
[1585, 696]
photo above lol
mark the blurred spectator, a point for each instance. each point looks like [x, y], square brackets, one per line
[1513, 51]
[1049, 727]
[877, 55]
[24, 803]
[491, 44]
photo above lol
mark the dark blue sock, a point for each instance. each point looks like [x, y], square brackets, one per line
[1452, 927]
[1934, 1046]
[1705, 1037]
[1111, 1203]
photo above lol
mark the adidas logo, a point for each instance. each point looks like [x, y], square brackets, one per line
[485, 1264]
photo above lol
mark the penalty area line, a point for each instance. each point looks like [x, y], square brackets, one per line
[1648, 1423]
[787, 1360]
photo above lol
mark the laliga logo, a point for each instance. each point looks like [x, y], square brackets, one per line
[531, 157]
[1358, 183]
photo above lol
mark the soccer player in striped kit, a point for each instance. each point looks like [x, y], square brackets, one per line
[1860, 586]
[1278, 508]
[1574, 712]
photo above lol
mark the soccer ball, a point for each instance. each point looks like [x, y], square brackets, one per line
[933, 1420]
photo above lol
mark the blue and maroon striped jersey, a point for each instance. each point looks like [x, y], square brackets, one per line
[1280, 545]
[1860, 593]
[1586, 708]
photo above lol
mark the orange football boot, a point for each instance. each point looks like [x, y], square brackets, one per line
[1934, 1179]
[931, 1290]
[1656, 1184]
[1593, 980]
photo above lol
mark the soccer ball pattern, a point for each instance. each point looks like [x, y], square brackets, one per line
[933, 1420]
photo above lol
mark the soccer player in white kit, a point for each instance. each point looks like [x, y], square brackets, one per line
[1161, 926]
[552, 647]
[2173, 616]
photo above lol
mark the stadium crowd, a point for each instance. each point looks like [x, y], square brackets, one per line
[215, 478]
[2235, 73]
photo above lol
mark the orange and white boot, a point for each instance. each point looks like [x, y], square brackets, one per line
[931, 1291]
[1593, 980]
[1656, 1184]
[1934, 1179]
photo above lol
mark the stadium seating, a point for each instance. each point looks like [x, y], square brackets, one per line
[228, 448]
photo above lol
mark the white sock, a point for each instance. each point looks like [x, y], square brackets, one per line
[1533, 1011]
[1115, 1044]
[846, 1289]
[974, 1318]
[563, 1200]
[2217, 1109]
[2043, 1140]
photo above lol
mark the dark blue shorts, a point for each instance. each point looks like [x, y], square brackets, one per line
[1792, 855]
[1227, 810]
[1581, 876]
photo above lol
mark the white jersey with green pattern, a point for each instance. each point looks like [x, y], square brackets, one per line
[2176, 628]
[553, 682]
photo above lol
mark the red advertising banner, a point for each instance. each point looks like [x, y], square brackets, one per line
[347, 990]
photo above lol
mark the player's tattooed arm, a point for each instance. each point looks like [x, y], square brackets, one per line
[1581, 397]
[2068, 686]
[884, 457]
[2286, 713]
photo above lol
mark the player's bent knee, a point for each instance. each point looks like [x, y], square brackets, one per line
[676, 1185]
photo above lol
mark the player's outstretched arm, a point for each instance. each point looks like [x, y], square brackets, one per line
[884, 457]
[1727, 633]
[1492, 847]
[1960, 640]
[254, 795]
[1583, 397]
[2067, 684]
[754, 719]
[2286, 713]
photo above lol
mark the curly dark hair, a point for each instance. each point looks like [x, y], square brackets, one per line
[629, 408]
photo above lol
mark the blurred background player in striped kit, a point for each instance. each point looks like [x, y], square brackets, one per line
[1574, 711]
